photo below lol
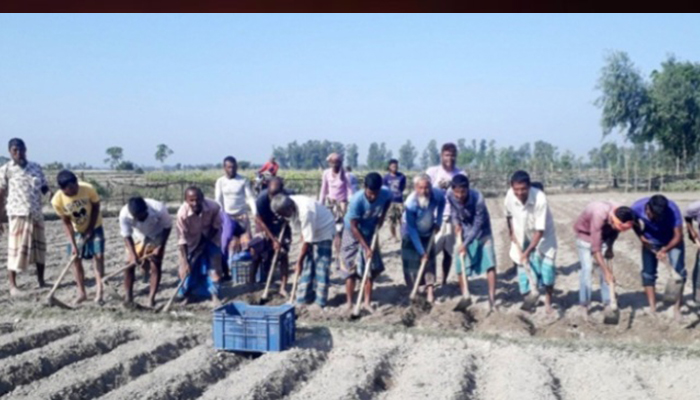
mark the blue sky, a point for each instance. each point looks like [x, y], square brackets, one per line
[212, 85]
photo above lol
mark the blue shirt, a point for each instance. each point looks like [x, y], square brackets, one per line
[659, 233]
[473, 216]
[367, 214]
[397, 185]
[418, 222]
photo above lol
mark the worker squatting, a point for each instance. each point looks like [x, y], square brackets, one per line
[442, 215]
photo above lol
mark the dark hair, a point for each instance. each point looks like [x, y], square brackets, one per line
[520, 176]
[66, 178]
[373, 181]
[279, 181]
[460, 181]
[230, 159]
[137, 205]
[449, 146]
[17, 142]
[625, 214]
[393, 161]
[537, 185]
[348, 168]
[658, 205]
[195, 189]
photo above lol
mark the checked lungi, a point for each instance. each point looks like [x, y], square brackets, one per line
[314, 280]
[26, 242]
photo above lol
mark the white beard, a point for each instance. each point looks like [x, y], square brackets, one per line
[423, 201]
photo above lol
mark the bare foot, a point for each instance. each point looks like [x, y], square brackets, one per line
[41, 285]
[430, 297]
[152, 303]
[284, 293]
[14, 292]
[349, 305]
[99, 297]
[81, 298]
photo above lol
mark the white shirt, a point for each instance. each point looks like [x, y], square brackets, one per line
[234, 194]
[527, 218]
[158, 220]
[315, 222]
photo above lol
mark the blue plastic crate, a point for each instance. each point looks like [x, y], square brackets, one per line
[239, 326]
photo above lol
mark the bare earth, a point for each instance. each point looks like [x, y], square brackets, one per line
[397, 352]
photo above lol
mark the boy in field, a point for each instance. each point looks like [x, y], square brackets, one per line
[395, 181]
[365, 216]
[78, 205]
[532, 234]
[145, 225]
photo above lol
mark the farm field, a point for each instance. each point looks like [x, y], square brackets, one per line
[397, 352]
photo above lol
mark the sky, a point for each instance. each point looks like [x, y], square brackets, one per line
[213, 85]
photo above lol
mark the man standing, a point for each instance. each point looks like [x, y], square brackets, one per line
[315, 223]
[596, 230]
[78, 205]
[395, 181]
[441, 176]
[270, 167]
[422, 216]
[354, 183]
[336, 188]
[234, 195]
[199, 229]
[472, 223]
[532, 234]
[145, 225]
[365, 216]
[22, 184]
[661, 235]
[271, 224]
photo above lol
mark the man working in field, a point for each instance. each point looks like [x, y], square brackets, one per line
[472, 223]
[421, 218]
[441, 176]
[365, 217]
[661, 235]
[199, 229]
[78, 205]
[596, 230]
[395, 181]
[316, 225]
[22, 184]
[235, 196]
[145, 225]
[692, 214]
[270, 167]
[532, 234]
[336, 189]
[271, 224]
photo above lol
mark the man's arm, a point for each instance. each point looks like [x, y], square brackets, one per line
[68, 229]
[675, 241]
[692, 233]
[411, 227]
[479, 219]
[358, 235]
[93, 220]
[131, 249]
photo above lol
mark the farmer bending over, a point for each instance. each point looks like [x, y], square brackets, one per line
[271, 224]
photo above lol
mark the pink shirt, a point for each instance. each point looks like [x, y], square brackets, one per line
[191, 226]
[592, 225]
[334, 187]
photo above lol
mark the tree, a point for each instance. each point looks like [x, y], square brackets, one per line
[351, 155]
[407, 155]
[465, 154]
[624, 100]
[163, 152]
[115, 155]
[375, 159]
[430, 156]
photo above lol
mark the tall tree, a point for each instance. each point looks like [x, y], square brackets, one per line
[431, 155]
[375, 158]
[407, 155]
[115, 155]
[163, 152]
[351, 155]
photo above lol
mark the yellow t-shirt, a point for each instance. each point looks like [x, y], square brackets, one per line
[79, 207]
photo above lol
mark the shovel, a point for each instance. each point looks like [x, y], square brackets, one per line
[466, 299]
[172, 298]
[412, 296]
[612, 313]
[674, 284]
[531, 299]
[263, 300]
[368, 266]
[52, 301]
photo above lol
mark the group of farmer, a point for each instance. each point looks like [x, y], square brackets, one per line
[443, 215]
